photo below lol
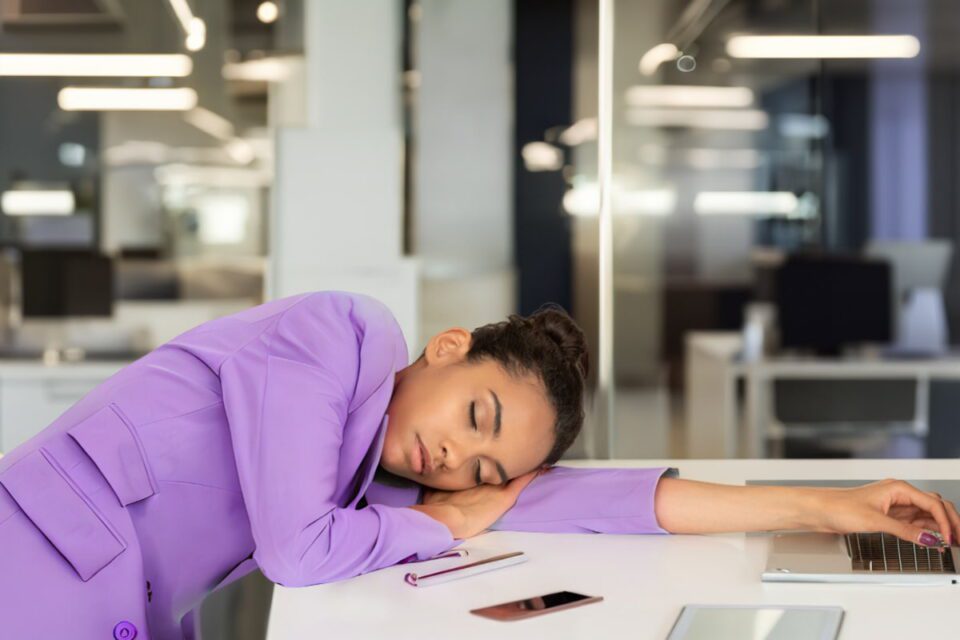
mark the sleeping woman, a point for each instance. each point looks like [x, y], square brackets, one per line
[297, 437]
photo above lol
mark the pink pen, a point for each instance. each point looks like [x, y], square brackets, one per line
[465, 570]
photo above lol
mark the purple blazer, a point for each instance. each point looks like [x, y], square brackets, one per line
[246, 442]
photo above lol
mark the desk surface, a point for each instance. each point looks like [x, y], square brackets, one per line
[645, 580]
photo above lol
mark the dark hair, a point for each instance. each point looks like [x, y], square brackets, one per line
[550, 345]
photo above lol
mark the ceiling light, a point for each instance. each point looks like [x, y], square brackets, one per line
[652, 59]
[779, 203]
[268, 12]
[899, 46]
[193, 27]
[541, 156]
[51, 202]
[689, 96]
[581, 131]
[196, 35]
[272, 69]
[115, 99]
[584, 201]
[95, 64]
[240, 151]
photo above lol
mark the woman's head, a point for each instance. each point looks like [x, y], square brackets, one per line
[496, 402]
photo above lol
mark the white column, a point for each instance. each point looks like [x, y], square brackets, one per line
[337, 202]
[463, 176]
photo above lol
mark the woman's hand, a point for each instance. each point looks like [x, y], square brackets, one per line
[471, 511]
[891, 506]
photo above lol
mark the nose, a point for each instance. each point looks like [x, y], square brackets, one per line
[453, 453]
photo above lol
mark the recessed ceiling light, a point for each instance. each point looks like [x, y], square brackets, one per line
[268, 12]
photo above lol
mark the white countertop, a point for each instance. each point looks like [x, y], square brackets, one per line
[20, 369]
[645, 580]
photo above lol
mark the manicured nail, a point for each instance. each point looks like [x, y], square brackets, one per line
[929, 539]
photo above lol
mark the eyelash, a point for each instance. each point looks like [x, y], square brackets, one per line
[473, 421]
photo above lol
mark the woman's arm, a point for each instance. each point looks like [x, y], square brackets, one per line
[891, 506]
[582, 500]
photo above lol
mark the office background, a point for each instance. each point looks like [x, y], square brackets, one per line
[442, 155]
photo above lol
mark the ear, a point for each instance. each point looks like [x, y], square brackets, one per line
[448, 346]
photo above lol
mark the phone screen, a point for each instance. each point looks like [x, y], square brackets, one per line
[552, 600]
[528, 607]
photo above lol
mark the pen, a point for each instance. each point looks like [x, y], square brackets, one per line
[465, 570]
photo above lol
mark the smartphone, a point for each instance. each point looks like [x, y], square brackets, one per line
[529, 607]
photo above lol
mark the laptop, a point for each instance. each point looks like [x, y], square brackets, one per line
[867, 557]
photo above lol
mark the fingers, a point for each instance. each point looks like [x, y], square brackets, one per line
[932, 505]
[910, 532]
[519, 483]
[954, 516]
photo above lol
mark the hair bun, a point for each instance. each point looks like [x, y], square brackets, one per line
[555, 323]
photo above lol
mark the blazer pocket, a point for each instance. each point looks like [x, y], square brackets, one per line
[61, 511]
[112, 443]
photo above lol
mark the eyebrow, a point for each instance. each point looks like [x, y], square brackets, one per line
[499, 410]
[496, 433]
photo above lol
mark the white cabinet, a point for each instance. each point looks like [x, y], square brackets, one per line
[32, 395]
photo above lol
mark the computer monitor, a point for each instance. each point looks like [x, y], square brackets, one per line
[65, 282]
[826, 302]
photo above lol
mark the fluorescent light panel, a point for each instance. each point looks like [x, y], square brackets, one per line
[272, 69]
[689, 96]
[584, 201]
[24, 202]
[780, 203]
[95, 65]
[114, 99]
[890, 46]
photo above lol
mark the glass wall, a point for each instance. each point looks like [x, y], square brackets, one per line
[772, 164]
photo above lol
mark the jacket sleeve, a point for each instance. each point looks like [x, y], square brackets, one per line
[287, 394]
[581, 500]
[569, 500]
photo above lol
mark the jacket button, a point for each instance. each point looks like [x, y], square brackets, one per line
[124, 631]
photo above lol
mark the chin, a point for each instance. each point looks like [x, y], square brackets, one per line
[393, 459]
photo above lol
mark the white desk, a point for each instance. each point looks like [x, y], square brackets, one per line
[712, 372]
[645, 580]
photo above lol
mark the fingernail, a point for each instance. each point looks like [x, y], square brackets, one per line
[928, 539]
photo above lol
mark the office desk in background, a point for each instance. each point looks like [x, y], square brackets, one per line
[713, 370]
[645, 580]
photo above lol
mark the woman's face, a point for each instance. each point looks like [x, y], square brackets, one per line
[452, 424]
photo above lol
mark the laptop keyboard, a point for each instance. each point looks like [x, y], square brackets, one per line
[888, 554]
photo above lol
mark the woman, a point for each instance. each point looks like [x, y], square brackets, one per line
[253, 440]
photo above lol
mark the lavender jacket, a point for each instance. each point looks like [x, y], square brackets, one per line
[246, 442]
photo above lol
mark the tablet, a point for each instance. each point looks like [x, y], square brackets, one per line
[735, 622]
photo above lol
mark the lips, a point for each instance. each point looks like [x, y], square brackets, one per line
[423, 464]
